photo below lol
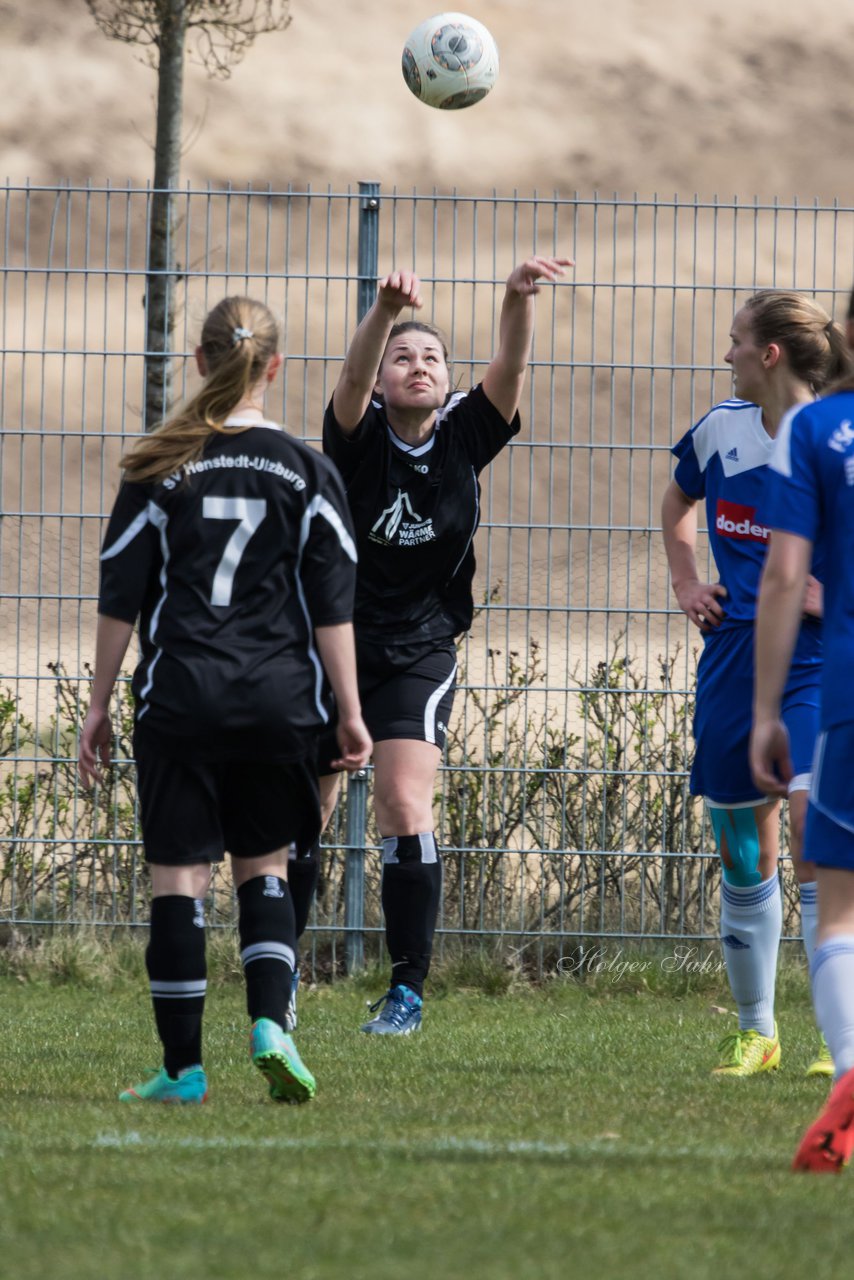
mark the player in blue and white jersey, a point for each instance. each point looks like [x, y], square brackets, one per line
[811, 501]
[411, 455]
[231, 544]
[784, 350]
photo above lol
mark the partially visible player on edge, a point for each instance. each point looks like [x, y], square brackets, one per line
[784, 350]
[232, 544]
[811, 502]
[411, 453]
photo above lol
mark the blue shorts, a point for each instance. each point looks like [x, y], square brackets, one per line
[724, 709]
[829, 832]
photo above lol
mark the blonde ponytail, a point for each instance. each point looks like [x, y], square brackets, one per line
[239, 338]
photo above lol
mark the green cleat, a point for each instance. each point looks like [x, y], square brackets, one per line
[190, 1086]
[747, 1053]
[823, 1064]
[275, 1055]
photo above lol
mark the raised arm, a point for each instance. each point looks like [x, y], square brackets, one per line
[778, 619]
[505, 377]
[352, 395]
[697, 600]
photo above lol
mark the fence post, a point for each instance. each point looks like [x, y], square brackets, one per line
[357, 786]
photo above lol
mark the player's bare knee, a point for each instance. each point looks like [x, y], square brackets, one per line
[399, 814]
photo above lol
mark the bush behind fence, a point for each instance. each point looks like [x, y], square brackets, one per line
[549, 837]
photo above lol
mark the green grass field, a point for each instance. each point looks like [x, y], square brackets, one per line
[568, 1129]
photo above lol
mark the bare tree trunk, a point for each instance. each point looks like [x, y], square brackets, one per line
[161, 277]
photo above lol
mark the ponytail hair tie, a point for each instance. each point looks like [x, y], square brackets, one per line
[238, 334]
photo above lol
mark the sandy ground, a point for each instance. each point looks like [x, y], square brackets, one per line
[630, 96]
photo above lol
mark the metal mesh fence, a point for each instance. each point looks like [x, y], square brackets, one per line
[562, 803]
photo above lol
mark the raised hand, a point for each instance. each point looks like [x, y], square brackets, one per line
[523, 278]
[399, 289]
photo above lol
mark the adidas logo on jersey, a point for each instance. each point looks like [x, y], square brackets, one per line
[733, 454]
[734, 943]
[736, 521]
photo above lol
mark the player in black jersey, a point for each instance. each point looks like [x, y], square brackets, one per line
[411, 454]
[232, 545]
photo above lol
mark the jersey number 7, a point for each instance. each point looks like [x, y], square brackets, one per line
[249, 512]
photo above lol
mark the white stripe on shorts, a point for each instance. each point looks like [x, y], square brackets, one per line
[817, 762]
[432, 703]
[817, 765]
[726, 804]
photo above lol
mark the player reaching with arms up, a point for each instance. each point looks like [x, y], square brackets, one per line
[231, 544]
[411, 454]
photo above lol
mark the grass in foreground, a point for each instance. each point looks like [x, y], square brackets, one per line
[569, 1129]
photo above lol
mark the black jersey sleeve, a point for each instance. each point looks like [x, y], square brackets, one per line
[478, 427]
[130, 554]
[348, 451]
[328, 562]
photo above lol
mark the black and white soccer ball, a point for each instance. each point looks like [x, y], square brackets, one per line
[450, 61]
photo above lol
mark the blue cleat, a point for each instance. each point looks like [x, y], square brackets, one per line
[400, 1013]
[190, 1086]
[275, 1055]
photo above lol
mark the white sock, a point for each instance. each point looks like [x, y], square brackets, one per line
[832, 974]
[809, 917]
[751, 924]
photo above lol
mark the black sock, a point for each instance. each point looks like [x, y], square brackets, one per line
[303, 874]
[177, 975]
[268, 943]
[411, 889]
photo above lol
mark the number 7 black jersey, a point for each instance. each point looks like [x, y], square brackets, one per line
[229, 566]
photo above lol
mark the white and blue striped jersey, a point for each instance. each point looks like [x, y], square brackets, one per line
[229, 566]
[811, 493]
[724, 460]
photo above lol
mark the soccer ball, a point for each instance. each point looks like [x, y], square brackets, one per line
[450, 61]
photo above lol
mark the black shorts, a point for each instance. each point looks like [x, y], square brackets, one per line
[194, 811]
[407, 691]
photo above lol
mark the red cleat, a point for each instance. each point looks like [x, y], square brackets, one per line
[827, 1145]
